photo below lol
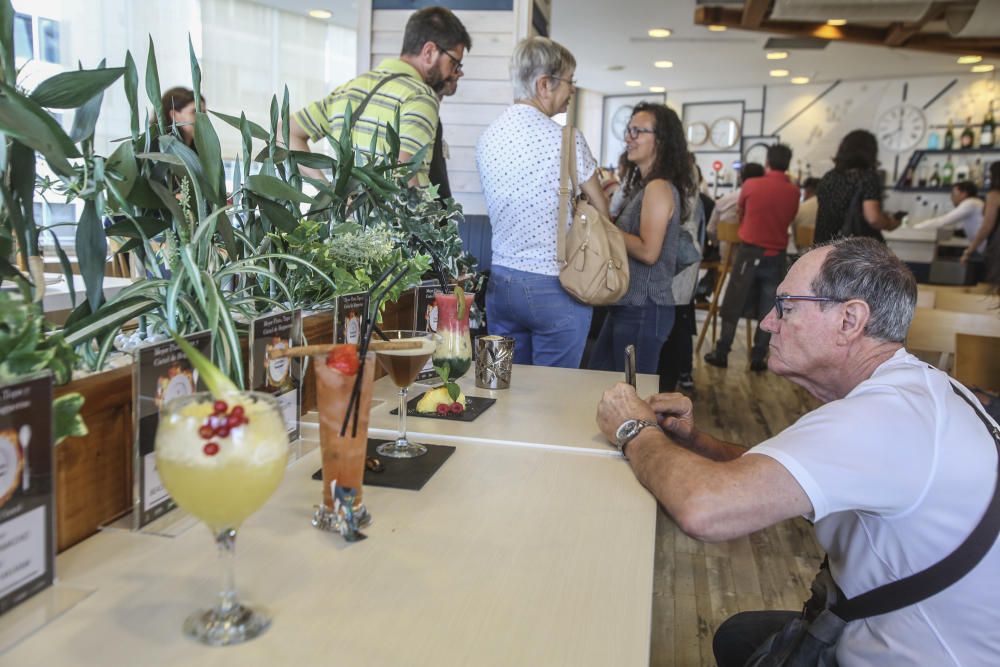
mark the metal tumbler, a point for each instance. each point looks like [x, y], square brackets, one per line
[494, 357]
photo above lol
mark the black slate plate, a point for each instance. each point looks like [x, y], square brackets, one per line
[474, 406]
[410, 474]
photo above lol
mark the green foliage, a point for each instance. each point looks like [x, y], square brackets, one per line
[26, 348]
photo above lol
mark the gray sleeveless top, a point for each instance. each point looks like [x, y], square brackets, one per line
[651, 283]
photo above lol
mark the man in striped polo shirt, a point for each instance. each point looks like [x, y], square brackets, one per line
[434, 44]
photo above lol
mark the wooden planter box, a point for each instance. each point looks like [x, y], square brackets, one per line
[94, 473]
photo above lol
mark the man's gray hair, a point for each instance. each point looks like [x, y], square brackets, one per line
[865, 269]
[535, 57]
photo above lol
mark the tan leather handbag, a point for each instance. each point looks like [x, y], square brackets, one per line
[591, 252]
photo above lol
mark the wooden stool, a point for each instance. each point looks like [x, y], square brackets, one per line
[977, 361]
[804, 238]
[728, 233]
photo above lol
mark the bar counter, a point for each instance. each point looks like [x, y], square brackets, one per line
[530, 554]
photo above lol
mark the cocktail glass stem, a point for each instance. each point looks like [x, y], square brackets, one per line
[401, 440]
[226, 542]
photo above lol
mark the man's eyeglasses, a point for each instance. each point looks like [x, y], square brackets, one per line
[571, 82]
[634, 132]
[779, 300]
[458, 63]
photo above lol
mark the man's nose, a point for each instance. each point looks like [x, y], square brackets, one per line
[770, 321]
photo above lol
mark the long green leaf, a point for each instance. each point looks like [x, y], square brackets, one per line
[24, 120]
[277, 215]
[167, 198]
[7, 42]
[153, 86]
[134, 228]
[91, 251]
[111, 315]
[275, 188]
[131, 83]
[66, 266]
[314, 160]
[194, 275]
[206, 142]
[255, 130]
[195, 74]
[121, 166]
[69, 90]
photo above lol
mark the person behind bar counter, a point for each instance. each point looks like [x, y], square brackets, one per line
[894, 469]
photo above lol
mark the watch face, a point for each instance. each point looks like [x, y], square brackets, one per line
[725, 133]
[697, 133]
[901, 128]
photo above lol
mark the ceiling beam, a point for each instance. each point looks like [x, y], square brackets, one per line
[754, 12]
[899, 33]
[856, 34]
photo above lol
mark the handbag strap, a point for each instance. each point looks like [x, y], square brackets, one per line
[567, 187]
[931, 581]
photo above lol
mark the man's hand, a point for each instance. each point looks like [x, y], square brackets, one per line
[619, 403]
[675, 415]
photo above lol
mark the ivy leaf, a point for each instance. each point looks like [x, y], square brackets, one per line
[66, 417]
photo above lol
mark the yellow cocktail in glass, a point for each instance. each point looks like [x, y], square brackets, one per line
[221, 460]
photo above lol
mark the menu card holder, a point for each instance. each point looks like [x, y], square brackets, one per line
[426, 319]
[280, 377]
[28, 599]
[161, 372]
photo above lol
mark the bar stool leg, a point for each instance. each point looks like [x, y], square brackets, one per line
[713, 308]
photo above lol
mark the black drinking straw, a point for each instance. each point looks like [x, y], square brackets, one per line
[442, 275]
[367, 328]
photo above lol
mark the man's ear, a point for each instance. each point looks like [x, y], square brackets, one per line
[428, 51]
[855, 319]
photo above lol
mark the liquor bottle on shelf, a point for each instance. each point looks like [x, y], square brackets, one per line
[948, 172]
[935, 180]
[961, 171]
[949, 136]
[933, 141]
[968, 134]
[976, 172]
[908, 178]
[987, 136]
[922, 176]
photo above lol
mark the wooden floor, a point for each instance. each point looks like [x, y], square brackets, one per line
[697, 585]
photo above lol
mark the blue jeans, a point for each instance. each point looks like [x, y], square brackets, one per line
[549, 327]
[645, 326]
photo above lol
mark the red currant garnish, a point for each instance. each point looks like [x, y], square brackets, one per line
[206, 431]
[238, 411]
[222, 431]
[442, 409]
[233, 421]
[210, 449]
[220, 407]
[457, 408]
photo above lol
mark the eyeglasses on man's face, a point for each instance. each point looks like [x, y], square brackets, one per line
[780, 300]
[456, 61]
[633, 133]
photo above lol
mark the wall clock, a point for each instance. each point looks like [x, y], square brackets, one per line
[725, 133]
[697, 133]
[756, 153]
[901, 128]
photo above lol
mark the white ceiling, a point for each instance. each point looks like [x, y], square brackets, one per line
[603, 33]
[606, 33]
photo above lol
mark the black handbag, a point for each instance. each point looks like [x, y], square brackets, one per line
[810, 640]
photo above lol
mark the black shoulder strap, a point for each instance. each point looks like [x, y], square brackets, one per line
[922, 585]
[364, 103]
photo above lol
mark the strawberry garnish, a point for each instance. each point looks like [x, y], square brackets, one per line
[344, 358]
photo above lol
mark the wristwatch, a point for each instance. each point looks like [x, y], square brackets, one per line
[629, 429]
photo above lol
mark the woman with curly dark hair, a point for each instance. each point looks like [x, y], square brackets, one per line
[657, 189]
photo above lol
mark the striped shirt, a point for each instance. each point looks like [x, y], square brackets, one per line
[417, 104]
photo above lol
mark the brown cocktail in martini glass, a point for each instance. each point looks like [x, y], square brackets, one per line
[403, 363]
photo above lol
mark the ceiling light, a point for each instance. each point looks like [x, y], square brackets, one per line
[777, 55]
[657, 89]
[799, 80]
[779, 72]
[717, 28]
[660, 33]
[664, 64]
[633, 83]
[321, 14]
[982, 68]
[837, 22]
[969, 60]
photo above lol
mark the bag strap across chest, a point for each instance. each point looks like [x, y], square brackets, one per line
[567, 188]
[936, 578]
